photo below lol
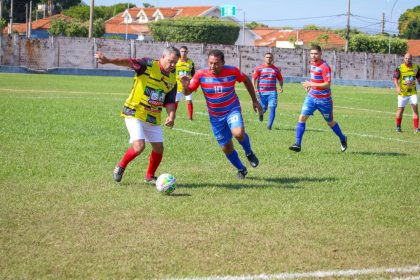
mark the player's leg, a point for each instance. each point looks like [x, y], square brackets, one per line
[415, 110]
[402, 102]
[264, 104]
[308, 108]
[236, 124]
[224, 137]
[154, 135]
[135, 129]
[272, 104]
[325, 107]
[190, 106]
[179, 97]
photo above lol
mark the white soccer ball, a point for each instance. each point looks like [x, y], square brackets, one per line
[166, 183]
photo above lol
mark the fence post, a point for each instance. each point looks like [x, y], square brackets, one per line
[95, 49]
[366, 72]
[304, 63]
[1, 48]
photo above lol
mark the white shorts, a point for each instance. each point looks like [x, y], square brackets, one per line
[140, 130]
[403, 100]
[180, 96]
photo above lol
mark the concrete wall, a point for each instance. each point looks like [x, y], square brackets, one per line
[78, 53]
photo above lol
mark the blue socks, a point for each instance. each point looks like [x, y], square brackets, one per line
[337, 130]
[234, 159]
[272, 116]
[300, 129]
[246, 145]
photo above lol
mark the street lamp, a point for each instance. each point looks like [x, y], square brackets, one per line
[390, 20]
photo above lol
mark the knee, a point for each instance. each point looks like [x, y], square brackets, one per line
[138, 147]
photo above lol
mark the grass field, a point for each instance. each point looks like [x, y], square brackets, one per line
[62, 216]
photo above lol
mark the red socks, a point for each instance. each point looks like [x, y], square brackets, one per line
[129, 156]
[190, 111]
[416, 123]
[154, 162]
[398, 121]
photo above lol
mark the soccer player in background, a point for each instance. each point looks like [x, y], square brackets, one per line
[405, 77]
[184, 67]
[154, 88]
[265, 79]
[318, 98]
[218, 85]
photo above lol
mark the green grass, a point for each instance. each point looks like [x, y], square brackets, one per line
[62, 216]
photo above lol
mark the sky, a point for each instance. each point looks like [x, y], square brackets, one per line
[366, 15]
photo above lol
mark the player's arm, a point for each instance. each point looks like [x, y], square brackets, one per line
[395, 78]
[250, 88]
[170, 108]
[280, 79]
[102, 59]
[255, 80]
[309, 84]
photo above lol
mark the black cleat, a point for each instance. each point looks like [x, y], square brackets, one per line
[295, 147]
[398, 129]
[150, 180]
[261, 117]
[253, 160]
[242, 173]
[118, 173]
[344, 144]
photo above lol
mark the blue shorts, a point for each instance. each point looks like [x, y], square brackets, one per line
[323, 105]
[268, 100]
[222, 125]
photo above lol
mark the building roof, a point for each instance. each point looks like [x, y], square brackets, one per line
[413, 47]
[44, 23]
[334, 41]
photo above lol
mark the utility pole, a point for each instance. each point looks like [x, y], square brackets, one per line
[383, 23]
[26, 19]
[10, 30]
[348, 27]
[1, 10]
[30, 20]
[92, 7]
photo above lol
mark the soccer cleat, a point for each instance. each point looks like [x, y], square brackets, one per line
[295, 147]
[417, 131]
[261, 117]
[150, 180]
[253, 160]
[344, 144]
[269, 127]
[398, 129]
[118, 173]
[242, 173]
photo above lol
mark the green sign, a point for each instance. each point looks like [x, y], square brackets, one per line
[228, 10]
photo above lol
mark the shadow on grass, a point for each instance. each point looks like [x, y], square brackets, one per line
[393, 154]
[252, 182]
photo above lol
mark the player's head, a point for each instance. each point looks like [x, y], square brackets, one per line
[315, 53]
[408, 58]
[268, 58]
[169, 58]
[216, 60]
[184, 51]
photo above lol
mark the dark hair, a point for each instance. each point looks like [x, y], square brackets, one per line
[315, 48]
[184, 47]
[269, 53]
[217, 53]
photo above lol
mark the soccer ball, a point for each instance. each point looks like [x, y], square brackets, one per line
[166, 183]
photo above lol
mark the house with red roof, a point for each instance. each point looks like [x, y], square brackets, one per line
[413, 47]
[133, 22]
[39, 28]
[291, 39]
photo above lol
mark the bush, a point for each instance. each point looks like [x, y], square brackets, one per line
[377, 44]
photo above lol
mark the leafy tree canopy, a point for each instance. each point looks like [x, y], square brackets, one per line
[409, 23]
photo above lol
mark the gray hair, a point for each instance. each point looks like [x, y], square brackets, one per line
[171, 50]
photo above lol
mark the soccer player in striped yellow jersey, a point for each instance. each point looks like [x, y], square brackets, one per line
[184, 67]
[154, 88]
[405, 77]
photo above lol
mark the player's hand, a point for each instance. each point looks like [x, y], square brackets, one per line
[185, 81]
[101, 58]
[170, 122]
[281, 90]
[257, 107]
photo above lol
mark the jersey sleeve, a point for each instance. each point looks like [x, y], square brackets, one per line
[256, 73]
[279, 76]
[396, 75]
[326, 73]
[240, 76]
[139, 65]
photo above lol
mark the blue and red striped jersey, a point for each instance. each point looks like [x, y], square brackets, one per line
[267, 77]
[219, 91]
[320, 73]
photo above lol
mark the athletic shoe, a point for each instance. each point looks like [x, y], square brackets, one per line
[417, 131]
[118, 173]
[398, 129]
[150, 180]
[344, 144]
[269, 127]
[242, 173]
[261, 117]
[295, 147]
[253, 160]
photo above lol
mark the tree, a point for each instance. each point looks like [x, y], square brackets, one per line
[147, 5]
[409, 23]
[376, 44]
[76, 28]
[254, 24]
[195, 30]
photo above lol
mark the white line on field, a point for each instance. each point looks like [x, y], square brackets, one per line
[316, 274]
[190, 132]
[58, 91]
[366, 110]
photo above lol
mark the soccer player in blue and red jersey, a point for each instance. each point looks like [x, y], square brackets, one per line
[218, 85]
[318, 98]
[265, 79]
